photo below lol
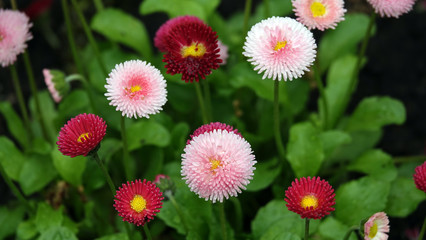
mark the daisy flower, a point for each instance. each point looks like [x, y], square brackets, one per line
[210, 127]
[14, 33]
[310, 197]
[376, 227]
[138, 202]
[280, 47]
[81, 135]
[320, 14]
[217, 164]
[192, 50]
[392, 8]
[56, 84]
[420, 177]
[136, 88]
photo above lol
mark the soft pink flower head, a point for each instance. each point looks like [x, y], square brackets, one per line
[223, 52]
[377, 227]
[280, 47]
[217, 165]
[14, 33]
[210, 127]
[56, 84]
[136, 88]
[320, 14]
[392, 8]
[420, 177]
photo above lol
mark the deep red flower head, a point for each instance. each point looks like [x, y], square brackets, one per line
[210, 127]
[81, 135]
[163, 31]
[420, 177]
[138, 202]
[310, 197]
[192, 50]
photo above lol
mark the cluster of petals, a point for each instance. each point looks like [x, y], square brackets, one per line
[138, 201]
[136, 88]
[14, 33]
[377, 227]
[217, 164]
[191, 47]
[223, 52]
[281, 47]
[55, 82]
[319, 14]
[311, 198]
[420, 177]
[210, 127]
[81, 135]
[392, 8]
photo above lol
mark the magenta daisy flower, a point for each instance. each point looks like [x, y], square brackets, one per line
[81, 135]
[310, 197]
[56, 84]
[320, 14]
[192, 50]
[420, 177]
[210, 127]
[14, 33]
[392, 8]
[217, 164]
[377, 227]
[136, 88]
[223, 53]
[138, 202]
[280, 47]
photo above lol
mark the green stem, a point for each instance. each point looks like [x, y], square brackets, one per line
[95, 156]
[129, 231]
[247, 10]
[15, 190]
[34, 91]
[126, 159]
[201, 102]
[422, 231]
[321, 89]
[278, 139]
[99, 5]
[420, 158]
[348, 233]
[169, 195]
[206, 89]
[306, 228]
[14, 5]
[266, 5]
[238, 214]
[223, 220]
[147, 232]
[90, 37]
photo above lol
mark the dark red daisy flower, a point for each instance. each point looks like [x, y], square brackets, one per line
[420, 177]
[310, 197]
[210, 127]
[81, 135]
[163, 31]
[192, 50]
[138, 202]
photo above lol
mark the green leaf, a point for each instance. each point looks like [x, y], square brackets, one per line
[58, 233]
[40, 146]
[46, 217]
[179, 135]
[27, 230]
[14, 124]
[333, 139]
[37, 172]
[181, 97]
[333, 229]
[342, 40]
[11, 158]
[377, 164]
[146, 132]
[276, 233]
[119, 26]
[73, 104]
[359, 199]
[70, 169]
[49, 114]
[361, 142]
[155, 163]
[404, 198]
[117, 236]
[264, 175]
[375, 112]
[9, 220]
[174, 8]
[276, 8]
[109, 146]
[305, 149]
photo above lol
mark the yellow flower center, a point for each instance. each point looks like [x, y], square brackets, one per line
[195, 50]
[317, 9]
[135, 88]
[309, 201]
[280, 45]
[83, 136]
[373, 231]
[138, 203]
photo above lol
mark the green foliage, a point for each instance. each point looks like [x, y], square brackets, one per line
[264, 175]
[333, 229]
[14, 124]
[147, 132]
[11, 158]
[404, 197]
[70, 169]
[377, 164]
[37, 171]
[10, 217]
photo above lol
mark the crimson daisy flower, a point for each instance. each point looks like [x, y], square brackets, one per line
[192, 50]
[310, 197]
[210, 127]
[81, 135]
[420, 177]
[138, 202]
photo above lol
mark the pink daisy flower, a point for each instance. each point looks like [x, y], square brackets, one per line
[223, 52]
[420, 177]
[310, 197]
[210, 127]
[136, 88]
[392, 8]
[280, 47]
[56, 84]
[217, 164]
[14, 33]
[376, 227]
[81, 135]
[320, 14]
[138, 202]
